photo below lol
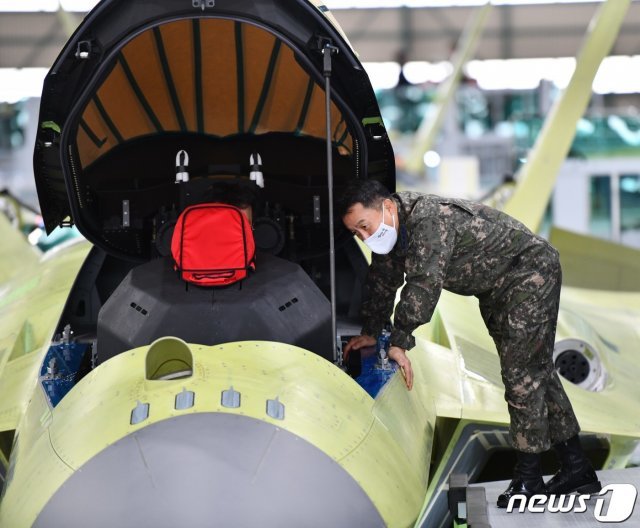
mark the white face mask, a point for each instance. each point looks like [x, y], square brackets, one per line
[385, 237]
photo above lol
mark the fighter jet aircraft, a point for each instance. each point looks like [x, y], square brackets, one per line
[131, 398]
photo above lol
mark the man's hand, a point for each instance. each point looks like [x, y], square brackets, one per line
[399, 356]
[357, 342]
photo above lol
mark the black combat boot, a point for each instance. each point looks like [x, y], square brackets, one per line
[576, 472]
[527, 479]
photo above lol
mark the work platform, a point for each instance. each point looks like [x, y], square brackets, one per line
[495, 517]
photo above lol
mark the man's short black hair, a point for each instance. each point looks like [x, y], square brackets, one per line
[237, 192]
[370, 193]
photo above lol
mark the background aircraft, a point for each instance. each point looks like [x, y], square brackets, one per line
[170, 432]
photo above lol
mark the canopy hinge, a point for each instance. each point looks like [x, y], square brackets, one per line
[84, 49]
[320, 42]
[375, 128]
[49, 133]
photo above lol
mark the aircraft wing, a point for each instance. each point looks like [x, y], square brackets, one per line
[427, 133]
[607, 323]
[590, 262]
[538, 176]
[30, 306]
[16, 386]
[17, 257]
[604, 321]
[16, 254]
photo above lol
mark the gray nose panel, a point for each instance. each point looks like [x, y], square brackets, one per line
[210, 470]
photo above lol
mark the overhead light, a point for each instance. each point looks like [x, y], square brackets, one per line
[520, 74]
[383, 75]
[419, 72]
[432, 159]
[21, 83]
[614, 75]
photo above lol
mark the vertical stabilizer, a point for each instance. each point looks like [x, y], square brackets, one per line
[432, 122]
[538, 176]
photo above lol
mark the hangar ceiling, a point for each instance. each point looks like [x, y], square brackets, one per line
[429, 33]
[520, 31]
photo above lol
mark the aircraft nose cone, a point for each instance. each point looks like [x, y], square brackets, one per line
[206, 470]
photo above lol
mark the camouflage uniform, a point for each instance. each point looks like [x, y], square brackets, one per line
[471, 249]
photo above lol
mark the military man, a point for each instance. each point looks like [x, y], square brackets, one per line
[471, 249]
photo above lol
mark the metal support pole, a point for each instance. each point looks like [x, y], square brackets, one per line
[327, 53]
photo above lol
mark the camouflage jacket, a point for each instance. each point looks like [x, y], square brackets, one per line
[461, 246]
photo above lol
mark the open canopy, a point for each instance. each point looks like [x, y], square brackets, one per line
[221, 80]
[206, 76]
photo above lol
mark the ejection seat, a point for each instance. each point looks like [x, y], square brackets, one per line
[233, 298]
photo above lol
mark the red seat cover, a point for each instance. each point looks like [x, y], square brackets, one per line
[212, 245]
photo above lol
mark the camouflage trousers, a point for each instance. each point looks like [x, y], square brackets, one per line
[522, 320]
